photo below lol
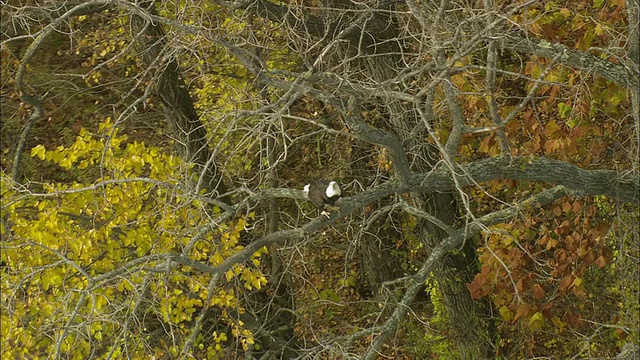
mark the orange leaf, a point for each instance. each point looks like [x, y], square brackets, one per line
[548, 306]
[621, 333]
[619, 3]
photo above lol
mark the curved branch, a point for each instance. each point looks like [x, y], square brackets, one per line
[454, 241]
[35, 102]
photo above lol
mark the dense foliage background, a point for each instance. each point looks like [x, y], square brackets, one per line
[154, 152]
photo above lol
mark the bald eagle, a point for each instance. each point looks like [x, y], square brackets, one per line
[323, 193]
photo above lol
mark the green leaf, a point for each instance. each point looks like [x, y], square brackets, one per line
[564, 110]
[572, 122]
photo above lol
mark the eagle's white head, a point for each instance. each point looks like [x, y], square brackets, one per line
[332, 190]
[306, 190]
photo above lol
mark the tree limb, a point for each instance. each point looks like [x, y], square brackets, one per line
[453, 242]
[585, 182]
[35, 102]
[617, 73]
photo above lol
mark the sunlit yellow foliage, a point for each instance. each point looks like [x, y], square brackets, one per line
[87, 264]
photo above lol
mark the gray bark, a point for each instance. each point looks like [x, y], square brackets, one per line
[617, 73]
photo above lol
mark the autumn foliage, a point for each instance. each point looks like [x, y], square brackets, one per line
[114, 246]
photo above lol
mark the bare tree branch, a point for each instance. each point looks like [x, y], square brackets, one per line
[617, 73]
[453, 242]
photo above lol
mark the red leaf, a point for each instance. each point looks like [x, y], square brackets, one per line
[601, 261]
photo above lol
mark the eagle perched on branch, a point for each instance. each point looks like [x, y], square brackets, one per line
[323, 193]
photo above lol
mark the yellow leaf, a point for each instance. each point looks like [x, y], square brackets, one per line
[229, 275]
[536, 322]
[557, 322]
[38, 151]
[507, 315]
[576, 282]
[599, 30]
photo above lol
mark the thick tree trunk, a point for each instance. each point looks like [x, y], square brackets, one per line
[453, 272]
[271, 326]
[184, 123]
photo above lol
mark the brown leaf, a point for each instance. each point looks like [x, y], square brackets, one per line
[523, 311]
[565, 282]
[543, 240]
[588, 259]
[601, 262]
[548, 306]
[475, 287]
[577, 205]
[574, 319]
[538, 291]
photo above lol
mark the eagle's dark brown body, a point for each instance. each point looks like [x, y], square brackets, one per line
[323, 192]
